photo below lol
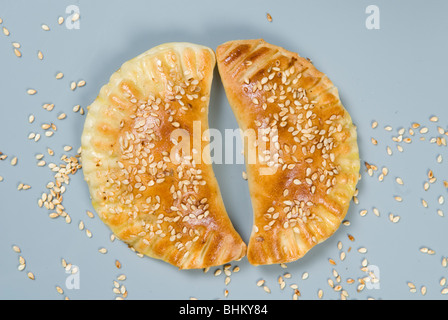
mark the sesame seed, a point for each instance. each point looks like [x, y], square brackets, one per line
[6, 31]
[362, 250]
[75, 17]
[434, 119]
[17, 52]
[320, 293]
[423, 290]
[424, 130]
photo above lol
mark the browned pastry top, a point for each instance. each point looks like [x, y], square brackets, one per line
[162, 202]
[303, 169]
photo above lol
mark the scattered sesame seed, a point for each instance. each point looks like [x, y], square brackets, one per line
[423, 290]
[434, 119]
[75, 17]
[17, 52]
[362, 250]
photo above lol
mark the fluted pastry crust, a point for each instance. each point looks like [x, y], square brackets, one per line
[313, 161]
[164, 210]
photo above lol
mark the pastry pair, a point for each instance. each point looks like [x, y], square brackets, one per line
[158, 193]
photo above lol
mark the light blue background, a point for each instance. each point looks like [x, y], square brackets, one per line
[395, 75]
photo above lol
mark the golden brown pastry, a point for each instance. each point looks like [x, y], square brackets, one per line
[162, 201]
[304, 166]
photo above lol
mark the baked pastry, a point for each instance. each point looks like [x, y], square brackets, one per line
[303, 167]
[161, 199]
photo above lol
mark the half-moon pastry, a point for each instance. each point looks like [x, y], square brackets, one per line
[304, 165]
[162, 200]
